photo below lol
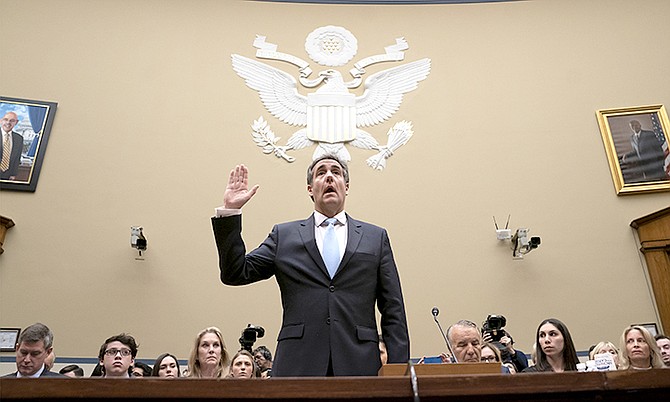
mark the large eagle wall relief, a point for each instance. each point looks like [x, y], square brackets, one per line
[331, 117]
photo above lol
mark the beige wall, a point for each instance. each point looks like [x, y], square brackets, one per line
[151, 118]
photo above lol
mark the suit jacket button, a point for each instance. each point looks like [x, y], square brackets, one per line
[332, 288]
[328, 320]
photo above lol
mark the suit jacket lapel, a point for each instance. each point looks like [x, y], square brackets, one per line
[354, 236]
[309, 241]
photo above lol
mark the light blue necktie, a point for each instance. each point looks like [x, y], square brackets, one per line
[331, 247]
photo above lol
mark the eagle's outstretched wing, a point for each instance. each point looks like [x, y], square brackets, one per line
[277, 89]
[384, 91]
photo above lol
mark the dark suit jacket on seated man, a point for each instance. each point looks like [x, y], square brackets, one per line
[329, 325]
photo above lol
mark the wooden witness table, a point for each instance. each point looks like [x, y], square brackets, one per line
[652, 385]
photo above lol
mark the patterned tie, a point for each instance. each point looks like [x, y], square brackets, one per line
[331, 248]
[6, 153]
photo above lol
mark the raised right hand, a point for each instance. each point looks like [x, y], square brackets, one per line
[237, 191]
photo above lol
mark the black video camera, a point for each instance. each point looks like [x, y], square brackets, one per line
[494, 326]
[249, 336]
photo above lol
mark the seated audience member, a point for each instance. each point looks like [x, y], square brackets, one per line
[383, 353]
[141, 370]
[243, 366]
[490, 353]
[554, 349]
[209, 357]
[97, 371]
[605, 347]
[117, 356]
[639, 350]
[466, 341]
[166, 366]
[72, 370]
[263, 359]
[35, 343]
[663, 343]
[50, 360]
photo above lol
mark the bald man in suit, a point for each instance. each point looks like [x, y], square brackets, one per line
[11, 147]
[329, 326]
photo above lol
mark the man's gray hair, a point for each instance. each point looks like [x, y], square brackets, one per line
[310, 169]
[35, 333]
[460, 323]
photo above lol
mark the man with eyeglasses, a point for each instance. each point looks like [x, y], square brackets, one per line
[10, 147]
[263, 359]
[117, 356]
[35, 343]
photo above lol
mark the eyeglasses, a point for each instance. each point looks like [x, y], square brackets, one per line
[490, 359]
[114, 351]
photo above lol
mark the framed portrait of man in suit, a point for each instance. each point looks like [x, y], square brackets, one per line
[636, 143]
[26, 125]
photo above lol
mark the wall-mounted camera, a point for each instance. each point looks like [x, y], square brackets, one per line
[521, 244]
[249, 336]
[137, 239]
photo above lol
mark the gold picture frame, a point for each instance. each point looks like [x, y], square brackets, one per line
[636, 143]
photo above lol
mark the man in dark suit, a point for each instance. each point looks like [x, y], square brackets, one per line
[329, 326]
[645, 162]
[34, 345]
[11, 147]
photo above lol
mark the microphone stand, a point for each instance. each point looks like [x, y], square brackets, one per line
[452, 357]
[413, 380]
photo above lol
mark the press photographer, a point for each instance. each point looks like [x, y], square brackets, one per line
[249, 336]
[493, 331]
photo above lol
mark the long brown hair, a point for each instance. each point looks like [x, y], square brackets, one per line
[570, 358]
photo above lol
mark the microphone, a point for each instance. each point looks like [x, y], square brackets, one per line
[413, 380]
[435, 311]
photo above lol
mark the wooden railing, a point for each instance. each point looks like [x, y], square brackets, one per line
[651, 385]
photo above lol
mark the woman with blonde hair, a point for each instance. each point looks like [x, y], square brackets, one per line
[639, 350]
[606, 347]
[209, 356]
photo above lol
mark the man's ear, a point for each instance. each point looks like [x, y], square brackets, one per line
[346, 187]
[309, 190]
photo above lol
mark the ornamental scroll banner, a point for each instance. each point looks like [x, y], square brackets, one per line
[331, 117]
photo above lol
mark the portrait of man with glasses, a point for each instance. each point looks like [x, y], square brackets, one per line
[117, 356]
